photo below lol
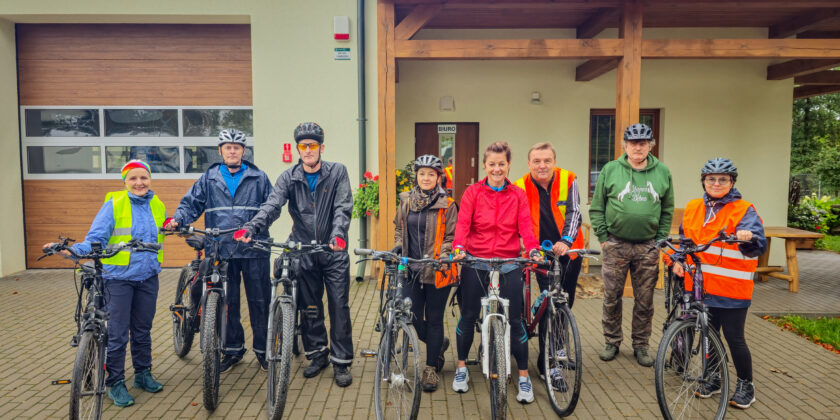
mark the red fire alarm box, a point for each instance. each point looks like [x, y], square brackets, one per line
[287, 152]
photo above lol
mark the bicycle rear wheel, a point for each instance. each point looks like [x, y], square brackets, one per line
[680, 377]
[498, 369]
[212, 351]
[563, 362]
[88, 382]
[182, 326]
[279, 367]
[398, 372]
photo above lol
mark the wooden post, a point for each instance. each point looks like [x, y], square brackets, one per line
[628, 81]
[792, 265]
[387, 122]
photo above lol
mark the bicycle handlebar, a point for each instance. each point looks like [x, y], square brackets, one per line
[689, 247]
[189, 230]
[498, 262]
[266, 244]
[101, 253]
[393, 258]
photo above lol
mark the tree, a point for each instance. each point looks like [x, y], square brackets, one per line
[816, 125]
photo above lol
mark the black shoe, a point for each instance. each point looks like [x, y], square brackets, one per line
[261, 360]
[442, 357]
[709, 388]
[744, 394]
[229, 360]
[342, 376]
[315, 367]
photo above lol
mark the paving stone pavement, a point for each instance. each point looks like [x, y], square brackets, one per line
[794, 378]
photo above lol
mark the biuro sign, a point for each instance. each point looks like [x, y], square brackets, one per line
[446, 128]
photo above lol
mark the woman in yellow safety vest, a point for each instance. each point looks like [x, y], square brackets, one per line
[131, 278]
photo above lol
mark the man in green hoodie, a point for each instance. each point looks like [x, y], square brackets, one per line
[632, 207]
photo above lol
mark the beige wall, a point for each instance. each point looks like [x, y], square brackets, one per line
[11, 207]
[709, 108]
[294, 78]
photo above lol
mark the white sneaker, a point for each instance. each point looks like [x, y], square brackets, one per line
[526, 391]
[461, 382]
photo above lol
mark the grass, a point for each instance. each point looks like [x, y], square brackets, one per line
[830, 242]
[823, 331]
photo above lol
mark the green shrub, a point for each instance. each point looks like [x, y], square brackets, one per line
[814, 214]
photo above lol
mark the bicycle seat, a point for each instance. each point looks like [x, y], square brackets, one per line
[196, 242]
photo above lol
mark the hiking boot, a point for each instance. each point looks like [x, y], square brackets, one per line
[229, 360]
[120, 395]
[442, 357]
[261, 360]
[744, 394]
[608, 353]
[709, 388]
[461, 381]
[342, 376]
[145, 381]
[643, 357]
[526, 390]
[315, 367]
[430, 379]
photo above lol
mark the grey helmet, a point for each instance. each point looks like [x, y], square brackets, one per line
[309, 130]
[231, 135]
[429, 161]
[719, 166]
[638, 132]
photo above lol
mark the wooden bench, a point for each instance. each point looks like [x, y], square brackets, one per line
[794, 238]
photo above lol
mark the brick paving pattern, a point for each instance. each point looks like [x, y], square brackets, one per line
[794, 378]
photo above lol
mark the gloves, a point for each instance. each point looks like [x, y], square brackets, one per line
[167, 223]
[241, 233]
[534, 254]
[397, 250]
[338, 243]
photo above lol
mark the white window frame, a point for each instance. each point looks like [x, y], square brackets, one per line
[102, 141]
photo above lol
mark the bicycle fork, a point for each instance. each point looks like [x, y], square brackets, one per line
[490, 309]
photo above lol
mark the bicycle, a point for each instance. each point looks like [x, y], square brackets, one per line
[562, 361]
[91, 338]
[691, 354]
[397, 362]
[211, 311]
[283, 320]
[185, 317]
[494, 327]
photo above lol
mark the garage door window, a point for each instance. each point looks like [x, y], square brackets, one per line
[94, 143]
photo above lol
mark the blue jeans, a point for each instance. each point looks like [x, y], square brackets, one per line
[254, 273]
[131, 308]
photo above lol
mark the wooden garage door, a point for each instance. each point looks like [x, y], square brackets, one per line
[179, 83]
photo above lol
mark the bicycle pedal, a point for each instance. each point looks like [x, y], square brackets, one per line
[61, 382]
[472, 362]
[74, 342]
[377, 328]
[368, 353]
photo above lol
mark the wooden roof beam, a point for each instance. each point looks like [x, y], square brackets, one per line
[802, 23]
[415, 21]
[802, 92]
[741, 48]
[595, 24]
[508, 49]
[795, 68]
[827, 77]
[592, 69]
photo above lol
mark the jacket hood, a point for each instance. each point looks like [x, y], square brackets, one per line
[732, 195]
[298, 174]
[136, 199]
[652, 162]
[251, 169]
[484, 184]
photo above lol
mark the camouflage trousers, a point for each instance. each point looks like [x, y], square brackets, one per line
[641, 259]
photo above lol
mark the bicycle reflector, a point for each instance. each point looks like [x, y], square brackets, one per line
[546, 245]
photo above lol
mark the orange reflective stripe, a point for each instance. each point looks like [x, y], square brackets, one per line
[443, 278]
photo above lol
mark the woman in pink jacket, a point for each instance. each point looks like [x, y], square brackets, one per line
[494, 215]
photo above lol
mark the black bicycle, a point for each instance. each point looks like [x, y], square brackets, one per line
[211, 312]
[91, 338]
[283, 319]
[185, 319]
[397, 359]
[691, 355]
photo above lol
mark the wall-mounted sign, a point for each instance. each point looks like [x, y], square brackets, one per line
[342, 54]
[446, 128]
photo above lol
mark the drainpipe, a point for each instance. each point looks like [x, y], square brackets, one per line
[362, 120]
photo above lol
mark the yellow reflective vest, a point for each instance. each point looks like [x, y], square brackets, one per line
[122, 224]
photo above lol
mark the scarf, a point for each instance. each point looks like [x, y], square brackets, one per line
[419, 200]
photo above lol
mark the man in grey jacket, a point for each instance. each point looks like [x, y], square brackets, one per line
[320, 203]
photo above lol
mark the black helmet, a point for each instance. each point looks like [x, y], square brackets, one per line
[309, 130]
[719, 166]
[638, 132]
[428, 161]
[231, 135]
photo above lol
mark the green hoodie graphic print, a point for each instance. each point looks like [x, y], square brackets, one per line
[634, 205]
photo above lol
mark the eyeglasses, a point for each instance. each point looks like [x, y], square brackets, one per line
[311, 146]
[721, 181]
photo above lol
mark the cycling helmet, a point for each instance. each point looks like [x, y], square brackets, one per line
[309, 130]
[638, 132]
[429, 161]
[231, 135]
[719, 166]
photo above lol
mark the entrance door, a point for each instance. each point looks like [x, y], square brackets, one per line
[455, 144]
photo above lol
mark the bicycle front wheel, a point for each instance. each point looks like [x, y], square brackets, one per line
[88, 381]
[563, 362]
[210, 341]
[182, 326]
[279, 366]
[396, 388]
[684, 389]
[498, 369]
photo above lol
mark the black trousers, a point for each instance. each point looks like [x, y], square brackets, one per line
[428, 304]
[318, 272]
[571, 270]
[732, 321]
[253, 272]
